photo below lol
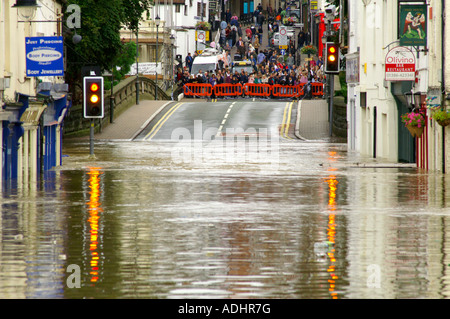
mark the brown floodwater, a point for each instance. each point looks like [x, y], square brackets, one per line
[169, 220]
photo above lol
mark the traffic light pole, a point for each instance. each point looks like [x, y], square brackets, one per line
[93, 103]
[111, 99]
[91, 138]
[331, 81]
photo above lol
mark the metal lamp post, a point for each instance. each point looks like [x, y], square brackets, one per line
[137, 63]
[157, 21]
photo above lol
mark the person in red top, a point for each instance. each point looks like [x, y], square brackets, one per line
[249, 33]
[280, 65]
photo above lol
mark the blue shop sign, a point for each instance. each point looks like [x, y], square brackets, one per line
[44, 56]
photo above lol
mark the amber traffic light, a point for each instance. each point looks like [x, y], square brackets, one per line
[93, 97]
[331, 58]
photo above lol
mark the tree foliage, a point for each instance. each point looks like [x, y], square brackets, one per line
[101, 22]
[124, 60]
[133, 12]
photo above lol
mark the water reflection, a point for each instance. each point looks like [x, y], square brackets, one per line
[321, 225]
[331, 230]
[32, 253]
[94, 210]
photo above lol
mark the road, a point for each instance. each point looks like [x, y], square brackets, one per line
[206, 120]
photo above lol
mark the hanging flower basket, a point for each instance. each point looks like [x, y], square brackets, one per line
[441, 116]
[288, 21]
[415, 130]
[308, 49]
[443, 122]
[414, 122]
[202, 25]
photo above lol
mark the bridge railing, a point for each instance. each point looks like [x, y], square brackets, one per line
[119, 99]
[123, 94]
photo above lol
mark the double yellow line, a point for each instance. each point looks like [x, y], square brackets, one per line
[286, 121]
[161, 121]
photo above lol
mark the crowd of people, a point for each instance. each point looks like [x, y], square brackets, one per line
[269, 65]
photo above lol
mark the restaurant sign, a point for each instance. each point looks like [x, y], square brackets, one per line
[400, 64]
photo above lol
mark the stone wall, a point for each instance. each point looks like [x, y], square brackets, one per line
[339, 117]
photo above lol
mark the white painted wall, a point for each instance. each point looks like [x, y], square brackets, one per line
[373, 30]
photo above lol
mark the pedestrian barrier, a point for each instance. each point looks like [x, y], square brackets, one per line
[317, 89]
[198, 89]
[285, 90]
[227, 89]
[301, 89]
[252, 89]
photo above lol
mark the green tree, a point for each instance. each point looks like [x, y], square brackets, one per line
[133, 11]
[122, 64]
[101, 22]
[124, 60]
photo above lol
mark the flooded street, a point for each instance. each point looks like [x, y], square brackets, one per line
[159, 220]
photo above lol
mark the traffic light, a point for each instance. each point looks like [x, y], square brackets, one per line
[93, 97]
[332, 59]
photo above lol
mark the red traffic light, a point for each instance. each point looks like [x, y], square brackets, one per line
[94, 87]
[332, 58]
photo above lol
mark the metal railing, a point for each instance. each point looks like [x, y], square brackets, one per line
[123, 96]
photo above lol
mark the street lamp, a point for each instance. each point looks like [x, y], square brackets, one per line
[157, 21]
[414, 99]
[26, 8]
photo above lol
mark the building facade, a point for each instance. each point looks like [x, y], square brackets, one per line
[376, 101]
[33, 107]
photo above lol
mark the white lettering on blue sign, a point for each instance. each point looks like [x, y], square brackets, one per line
[44, 56]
